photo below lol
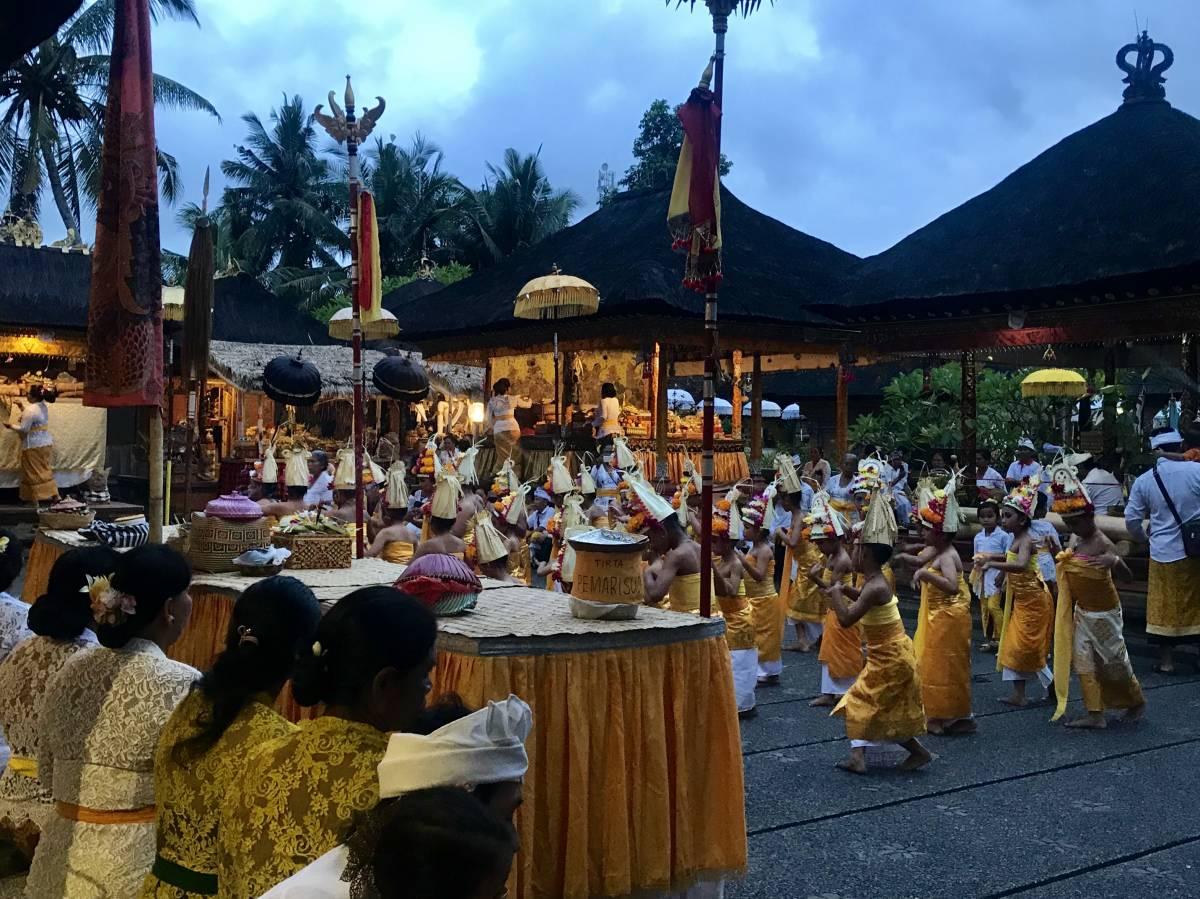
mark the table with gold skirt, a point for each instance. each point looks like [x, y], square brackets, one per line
[635, 780]
[47, 546]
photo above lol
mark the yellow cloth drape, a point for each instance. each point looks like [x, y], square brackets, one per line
[884, 703]
[635, 767]
[739, 620]
[1028, 626]
[1173, 598]
[841, 647]
[42, 556]
[398, 551]
[802, 599]
[943, 648]
[769, 615]
[1088, 596]
[684, 595]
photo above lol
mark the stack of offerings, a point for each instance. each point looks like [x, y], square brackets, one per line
[315, 541]
[606, 580]
[66, 515]
[229, 526]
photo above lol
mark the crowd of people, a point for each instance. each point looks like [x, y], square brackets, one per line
[133, 771]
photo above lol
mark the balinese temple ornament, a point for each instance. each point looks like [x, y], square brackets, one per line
[1145, 77]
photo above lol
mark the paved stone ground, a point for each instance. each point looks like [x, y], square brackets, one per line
[1023, 808]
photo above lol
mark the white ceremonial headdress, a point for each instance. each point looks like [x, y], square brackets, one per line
[488, 541]
[485, 747]
[397, 488]
[296, 471]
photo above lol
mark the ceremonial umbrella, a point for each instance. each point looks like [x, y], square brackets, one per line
[556, 296]
[341, 325]
[769, 409]
[1054, 382]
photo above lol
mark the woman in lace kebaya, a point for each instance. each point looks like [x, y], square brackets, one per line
[99, 726]
[298, 795]
[204, 746]
[61, 624]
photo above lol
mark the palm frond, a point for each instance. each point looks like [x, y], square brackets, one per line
[168, 177]
[173, 95]
[745, 7]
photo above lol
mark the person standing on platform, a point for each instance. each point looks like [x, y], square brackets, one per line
[37, 447]
[672, 580]
[758, 566]
[943, 638]
[1169, 495]
[991, 541]
[730, 593]
[1026, 635]
[841, 655]
[607, 421]
[1089, 630]
[502, 420]
[883, 705]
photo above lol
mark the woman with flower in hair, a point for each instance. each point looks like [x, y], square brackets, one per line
[61, 625]
[205, 745]
[99, 727]
[297, 796]
[1089, 628]
[758, 564]
[1025, 635]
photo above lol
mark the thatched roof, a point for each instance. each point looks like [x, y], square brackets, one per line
[43, 287]
[772, 271]
[1093, 214]
[242, 364]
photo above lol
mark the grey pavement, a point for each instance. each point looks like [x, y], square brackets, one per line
[1022, 808]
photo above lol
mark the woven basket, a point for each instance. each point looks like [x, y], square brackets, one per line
[65, 521]
[213, 543]
[311, 551]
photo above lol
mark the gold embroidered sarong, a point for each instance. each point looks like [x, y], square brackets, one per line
[1028, 625]
[1173, 598]
[943, 647]
[884, 703]
[768, 615]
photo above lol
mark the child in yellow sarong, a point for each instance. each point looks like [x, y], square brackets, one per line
[1089, 628]
[735, 607]
[803, 602]
[884, 703]
[1028, 607]
[758, 566]
[841, 655]
[943, 637]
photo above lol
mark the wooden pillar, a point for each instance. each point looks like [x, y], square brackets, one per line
[736, 365]
[660, 413]
[652, 389]
[841, 425]
[968, 413]
[1191, 370]
[1109, 425]
[756, 431]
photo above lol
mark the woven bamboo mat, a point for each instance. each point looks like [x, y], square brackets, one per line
[523, 621]
[73, 539]
[326, 583]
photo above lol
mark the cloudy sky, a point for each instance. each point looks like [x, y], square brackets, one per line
[854, 120]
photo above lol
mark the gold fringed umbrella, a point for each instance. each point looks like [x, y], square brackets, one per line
[341, 326]
[1054, 382]
[556, 296]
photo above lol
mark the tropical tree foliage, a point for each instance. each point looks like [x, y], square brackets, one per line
[288, 206]
[516, 207]
[52, 123]
[656, 149]
[921, 421]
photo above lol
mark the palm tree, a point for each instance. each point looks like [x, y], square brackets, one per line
[516, 207]
[52, 126]
[285, 195]
[416, 202]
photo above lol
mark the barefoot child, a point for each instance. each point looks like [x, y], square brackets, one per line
[991, 540]
[943, 637]
[884, 703]
[1028, 608]
[841, 645]
[1089, 627]
[758, 566]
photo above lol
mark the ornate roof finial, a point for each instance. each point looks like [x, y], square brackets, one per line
[1144, 77]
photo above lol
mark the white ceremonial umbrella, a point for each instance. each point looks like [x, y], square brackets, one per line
[791, 412]
[679, 399]
[769, 409]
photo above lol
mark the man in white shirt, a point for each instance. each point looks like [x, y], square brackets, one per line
[1173, 592]
[1024, 466]
[987, 479]
[321, 489]
[1103, 487]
